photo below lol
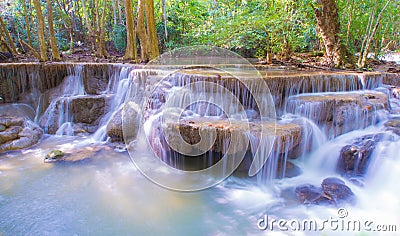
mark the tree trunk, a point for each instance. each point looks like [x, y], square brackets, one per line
[326, 13]
[88, 25]
[101, 48]
[147, 32]
[130, 52]
[119, 12]
[164, 16]
[53, 42]
[362, 61]
[151, 29]
[41, 26]
[72, 29]
[27, 24]
[141, 32]
[8, 36]
[350, 21]
[3, 44]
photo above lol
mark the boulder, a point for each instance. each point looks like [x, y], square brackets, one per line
[88, 109]
[333, 191]
[310, 194]
[354, 158]
[10, 133]
[337, 191]
[53, 156]
[130, 113]
[19, 133]
[114, 127]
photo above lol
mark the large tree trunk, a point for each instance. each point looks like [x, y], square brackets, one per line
[147, 32]
[42, 42]
[130, 52]
[141, 32]
[151, 29]
[53, 42]
[326, 13]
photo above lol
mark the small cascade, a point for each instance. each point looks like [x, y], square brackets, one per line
[58, 118]
[120, 84]
[341, 112]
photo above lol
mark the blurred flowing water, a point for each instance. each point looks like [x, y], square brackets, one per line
[103, 193]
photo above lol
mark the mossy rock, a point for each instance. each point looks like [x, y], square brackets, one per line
[54, 155]
[2, 128]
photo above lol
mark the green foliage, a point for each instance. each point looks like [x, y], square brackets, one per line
[119, 37]
[250, 27]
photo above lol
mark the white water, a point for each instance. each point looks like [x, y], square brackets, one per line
[107, 195]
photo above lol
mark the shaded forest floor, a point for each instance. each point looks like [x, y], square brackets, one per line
[301, 61]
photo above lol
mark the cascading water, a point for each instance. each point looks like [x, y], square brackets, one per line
[58, 113]
[37, 198]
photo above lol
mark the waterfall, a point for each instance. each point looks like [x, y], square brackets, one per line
[57, 117]
[118, 86]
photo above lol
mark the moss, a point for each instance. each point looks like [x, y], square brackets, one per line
[55, 154]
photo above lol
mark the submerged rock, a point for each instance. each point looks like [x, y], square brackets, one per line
[18, 133]
[337, 191]
[76, 155]
[310, 194]
[333, 191]
[54, 155]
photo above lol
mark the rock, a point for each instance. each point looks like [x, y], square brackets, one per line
[88, 109]
[114, 127]
[336, 190]
[18, 137]
[84, 110]
[333, 191]
[2, 128]
[310, 194]
[95, 85]
[354, 158]
[130, 113]
[8, 121]
[288, 135]
[340, 112]
[54, 155]
[393, 125]
[10, 133]
[75, 155]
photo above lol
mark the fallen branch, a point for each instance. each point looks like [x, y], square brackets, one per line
[34, 52]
